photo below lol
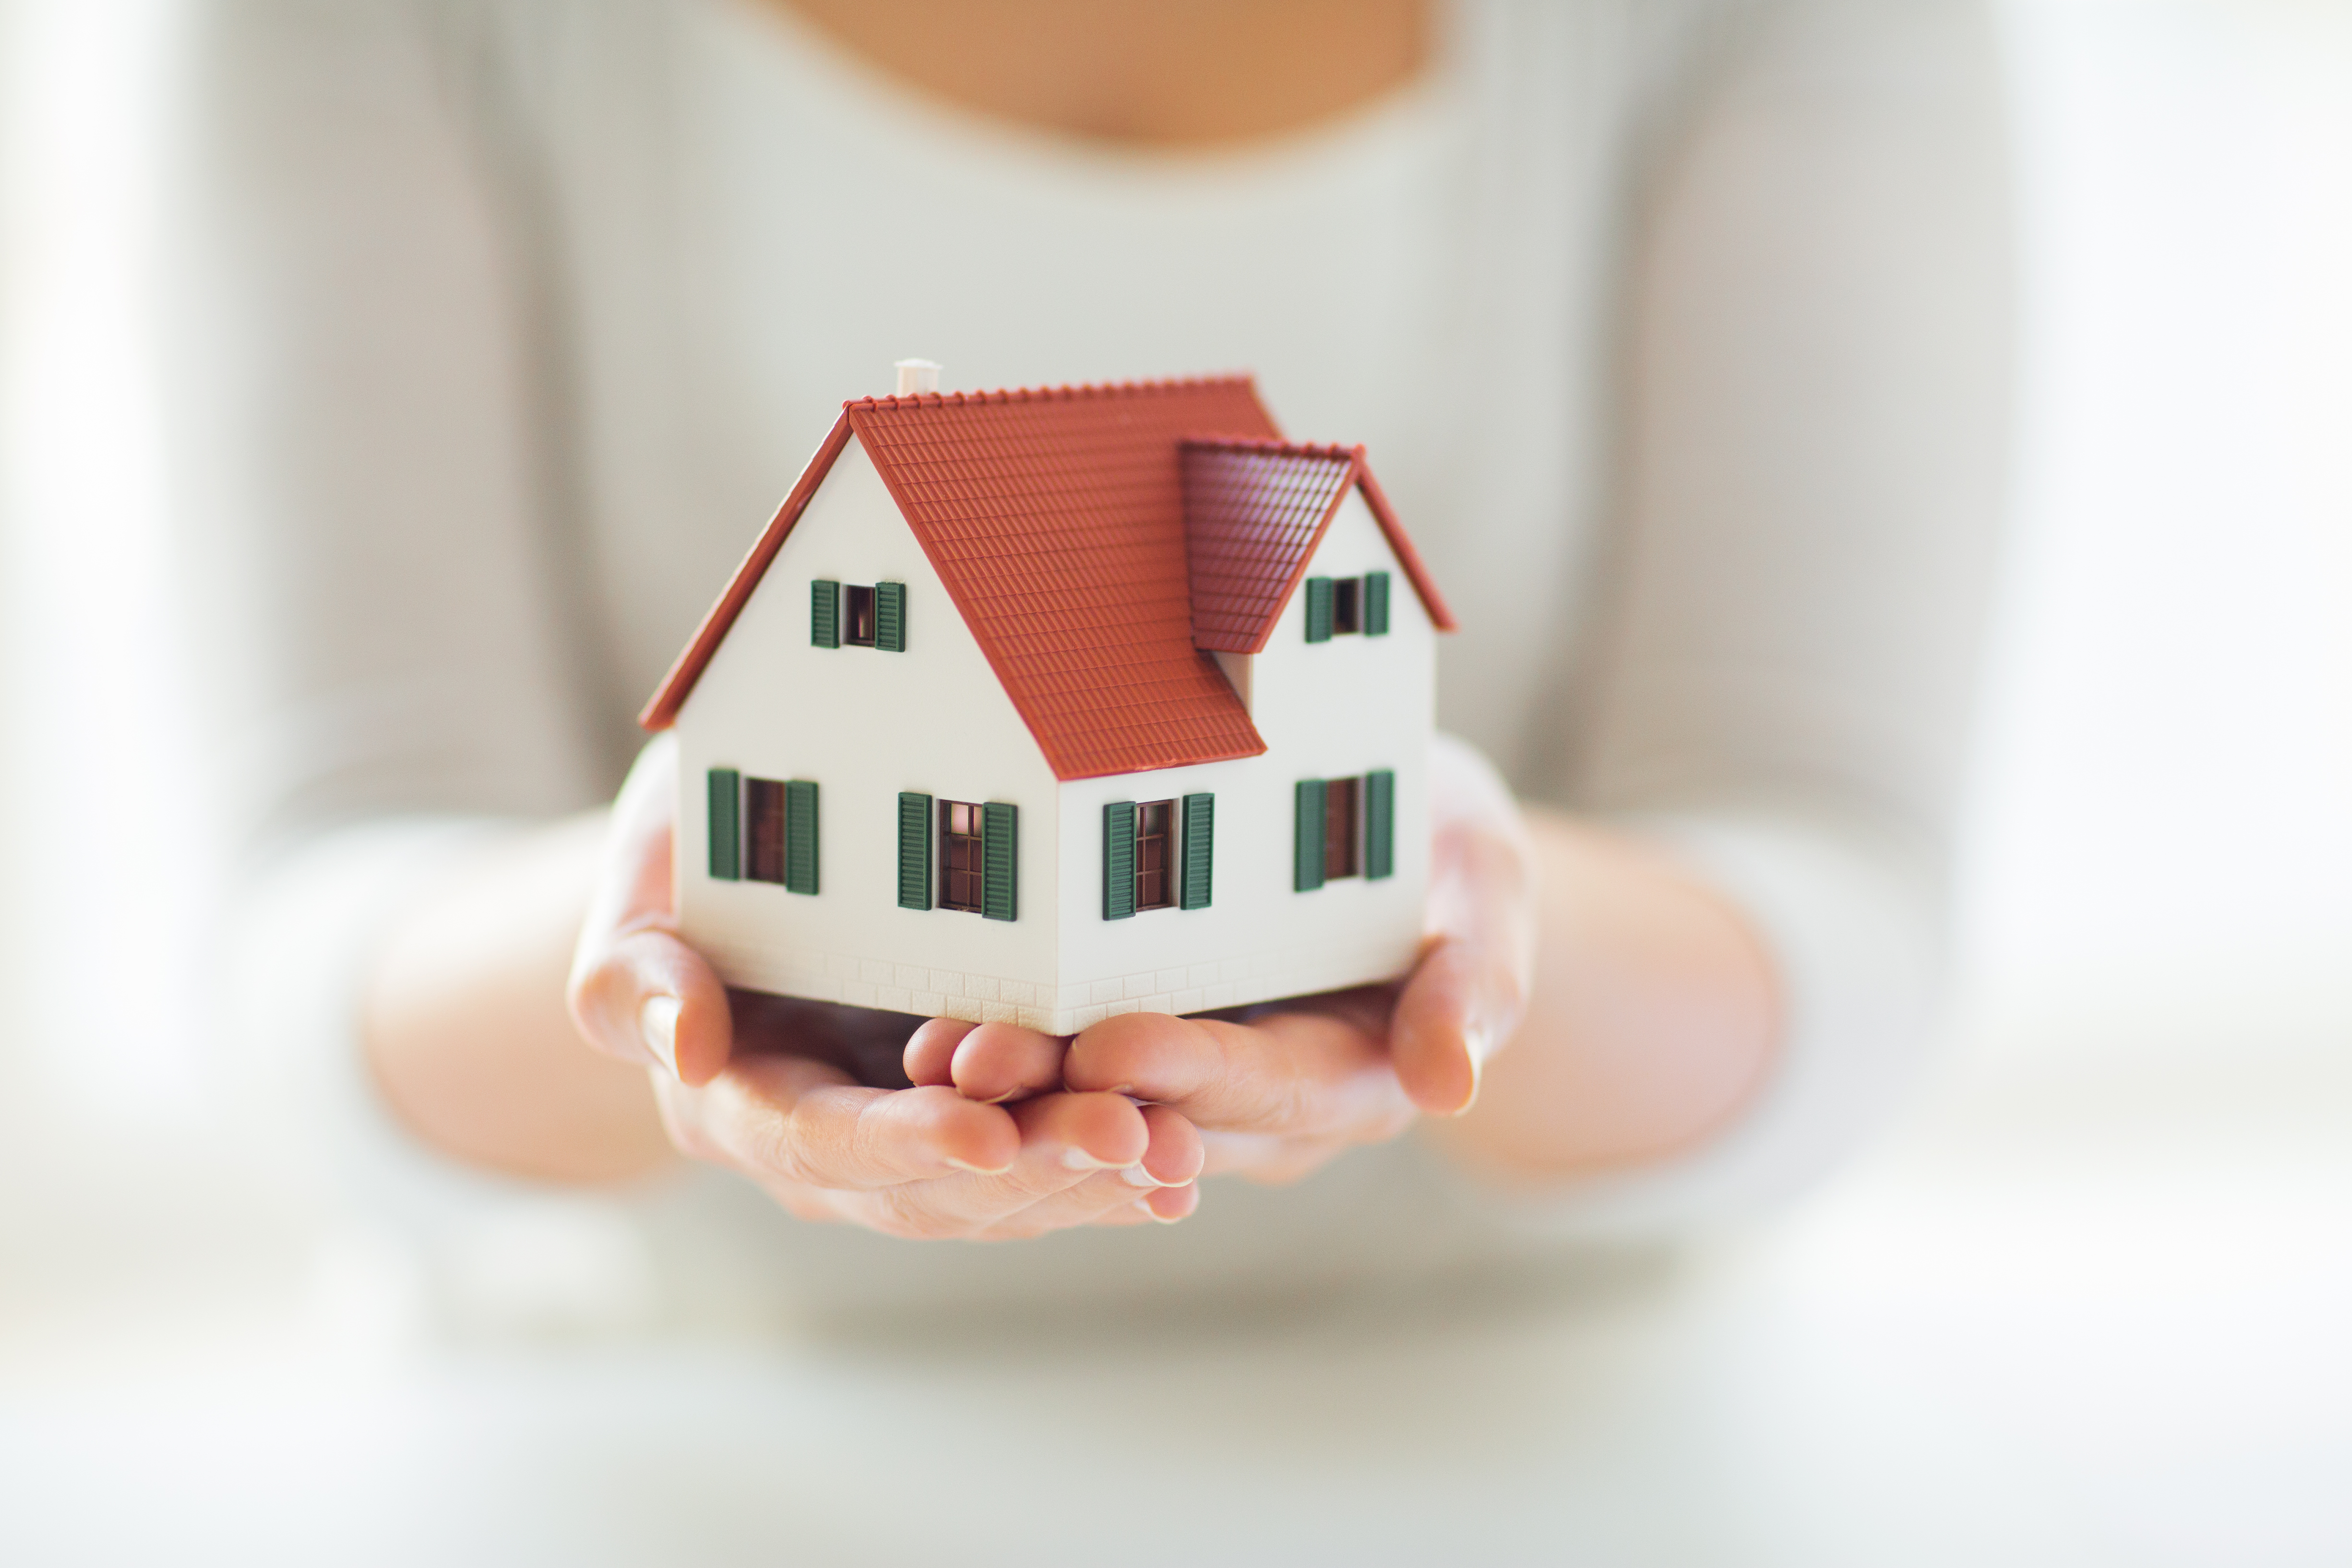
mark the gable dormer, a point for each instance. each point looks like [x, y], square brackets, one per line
[1254, 511]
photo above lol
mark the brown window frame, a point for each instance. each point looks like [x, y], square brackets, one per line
[1155, 855]
[858, 615]
[766, 844]
[962, 860]
[1343, 828]
[1346, 604]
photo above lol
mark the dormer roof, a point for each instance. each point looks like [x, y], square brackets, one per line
[1097, 541]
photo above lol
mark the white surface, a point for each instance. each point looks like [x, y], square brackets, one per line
[2063, 1321]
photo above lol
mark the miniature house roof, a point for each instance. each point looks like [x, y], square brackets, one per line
[1098, 540]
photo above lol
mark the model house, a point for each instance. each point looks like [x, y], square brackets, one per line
[1043, 706]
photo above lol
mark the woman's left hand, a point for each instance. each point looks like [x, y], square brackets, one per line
[1284, 1088]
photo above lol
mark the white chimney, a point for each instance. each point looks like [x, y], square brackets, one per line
[917, 375]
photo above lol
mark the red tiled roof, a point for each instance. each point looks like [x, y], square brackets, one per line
[1253, 511]
[1056, 520]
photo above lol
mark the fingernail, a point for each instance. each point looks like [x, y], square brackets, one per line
[1159, 1219]
[1079, 1160]
[658, 1022]
[1001, 1098]
[1480, 1039]
[975, 1170]
[1137, 1177]
[1478, 1076]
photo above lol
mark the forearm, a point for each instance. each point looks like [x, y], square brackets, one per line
[1653, 1017]
[467, 1032]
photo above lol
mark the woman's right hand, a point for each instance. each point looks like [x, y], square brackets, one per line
[765, 1095]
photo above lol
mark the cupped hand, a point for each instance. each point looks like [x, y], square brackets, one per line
[1279, 1089]
[768, 1094]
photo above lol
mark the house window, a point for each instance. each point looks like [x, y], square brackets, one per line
[1344, 827]
[1348, 604]
[1338, 605]
[859, 632]
[1146, 866]
[963, 868]
[1341, 815]
[1155, 845]
[763, 801]
[779, 840]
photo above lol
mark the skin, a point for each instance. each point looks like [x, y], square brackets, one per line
[1639, 1008]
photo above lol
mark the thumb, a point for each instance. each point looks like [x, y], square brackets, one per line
[647, 997]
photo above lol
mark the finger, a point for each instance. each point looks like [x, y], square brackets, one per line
[1287, 1073]
[1175, 1155]
[1171, 1161]
[1084, 1131]
[997, 1062]
[1162, 1205]
[1067, 1141]
[1170, 1205]
[1467, 997]
[635, 882]
[1440, 1037]
[803, 1120]
[647, 997]
[932, 1049]
[635, 992]
[1102, 1198]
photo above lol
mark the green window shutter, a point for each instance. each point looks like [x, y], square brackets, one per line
[1318, 609]
[1200, 849]
[914, 851]
[1000, 861]
[890, 616]
[726, 825]
[825, 613]
[1376, 604]
[1306, 858]
[800, 836]
[1118, 860]
[1379, 824]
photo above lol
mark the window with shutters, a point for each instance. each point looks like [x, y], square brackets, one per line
[1346, 827]
[1155, 855]
[963, 867]
[763, 813]
[779, 836]
[1341, 798]
[1340, 606]
[1348, 604]
[859, 632]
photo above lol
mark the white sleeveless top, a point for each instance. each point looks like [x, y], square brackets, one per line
[1678, 332]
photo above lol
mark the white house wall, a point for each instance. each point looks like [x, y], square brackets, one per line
[864, 725]
[1327, 709]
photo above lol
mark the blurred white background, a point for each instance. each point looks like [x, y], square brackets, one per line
[2086, 1305]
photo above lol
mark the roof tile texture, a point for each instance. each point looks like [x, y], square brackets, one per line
[1251, 515]
[1096, 540]
[1057, 520]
